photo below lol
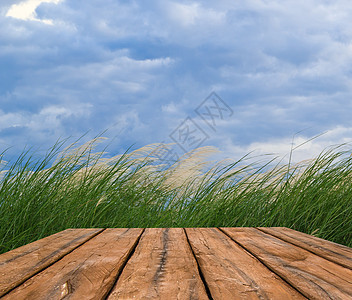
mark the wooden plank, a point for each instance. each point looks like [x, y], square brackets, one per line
[312, 275]
[88, 272]
[162, 267]
[231, 272]
[337, 253]
[18, 265]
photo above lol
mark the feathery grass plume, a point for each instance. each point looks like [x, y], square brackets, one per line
[189, 168]
[80, 151]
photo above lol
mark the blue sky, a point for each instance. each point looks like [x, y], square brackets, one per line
[143, 69]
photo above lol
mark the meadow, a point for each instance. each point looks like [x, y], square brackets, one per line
[80, 187]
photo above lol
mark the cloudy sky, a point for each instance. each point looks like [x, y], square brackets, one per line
[145, 72]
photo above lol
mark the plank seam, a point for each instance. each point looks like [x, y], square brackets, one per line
[262, 262]
[307, 249]
[198, 267]
[49, 265]
[123, 265]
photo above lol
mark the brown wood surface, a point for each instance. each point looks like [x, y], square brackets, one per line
[312, 275]
[88, 272]
[176, 263]
[162, 267]
[231, 272]
[18, 265]
[334, 252]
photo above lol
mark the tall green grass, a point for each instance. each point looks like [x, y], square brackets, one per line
[79, 187]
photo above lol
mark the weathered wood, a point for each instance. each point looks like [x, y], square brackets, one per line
[18, 265]
[312, 275]
[337, 253]
[234, 263]
[232, 273]
[88, 272]
[162, 267]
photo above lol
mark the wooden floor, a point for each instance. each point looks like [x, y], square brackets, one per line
[177, 263]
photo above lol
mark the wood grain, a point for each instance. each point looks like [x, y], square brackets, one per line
[232, 273]
[88, 272]
[337, 253]
[312, 275]
[18, 265]
[162, 267]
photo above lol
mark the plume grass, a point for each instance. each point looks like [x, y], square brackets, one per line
[79, 187]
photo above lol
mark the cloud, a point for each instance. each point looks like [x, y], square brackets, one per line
[142, 68]
[27, 10]
[190, 14]
[304, 146]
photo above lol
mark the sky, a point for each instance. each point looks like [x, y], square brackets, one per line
[238, 75]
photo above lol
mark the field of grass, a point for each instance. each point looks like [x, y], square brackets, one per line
[78, 187]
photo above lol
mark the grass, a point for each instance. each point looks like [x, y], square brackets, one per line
[82, 188]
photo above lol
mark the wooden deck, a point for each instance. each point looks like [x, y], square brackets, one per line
[177, 263]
